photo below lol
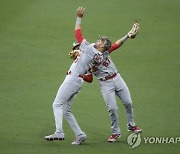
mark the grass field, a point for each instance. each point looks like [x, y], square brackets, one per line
[35, 38]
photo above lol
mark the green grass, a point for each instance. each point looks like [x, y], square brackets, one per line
[35, 38]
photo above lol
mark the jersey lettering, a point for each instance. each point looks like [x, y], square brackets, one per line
[98, 58]
[106, 62]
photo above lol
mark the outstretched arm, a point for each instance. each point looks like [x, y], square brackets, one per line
[131, 34]
[78, 33]
[118, 43]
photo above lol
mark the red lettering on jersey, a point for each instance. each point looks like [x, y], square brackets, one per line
[106, 62]
[98, 58]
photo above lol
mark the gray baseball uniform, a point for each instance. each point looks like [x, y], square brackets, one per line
[72, 85]
[111, 84]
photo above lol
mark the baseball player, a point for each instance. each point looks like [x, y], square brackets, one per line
[111, 84]
[91, 55]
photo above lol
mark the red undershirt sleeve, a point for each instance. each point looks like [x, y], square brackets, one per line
[78, 35]
[113, 47]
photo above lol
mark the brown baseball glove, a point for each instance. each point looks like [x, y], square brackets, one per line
[134, 31]
[73, 54]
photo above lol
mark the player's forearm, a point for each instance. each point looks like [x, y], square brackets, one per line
[78, 23]
[118, 43]
[78, 32]
[121, 41]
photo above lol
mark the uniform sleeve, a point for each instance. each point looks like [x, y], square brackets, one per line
[85, 46]
[113, 47]
[78, 35]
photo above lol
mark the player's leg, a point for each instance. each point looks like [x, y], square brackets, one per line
[58, 115]
[61, 98]
[108, 93]
[70, 86]
[66, 90]
[80, 135]
[123, 93]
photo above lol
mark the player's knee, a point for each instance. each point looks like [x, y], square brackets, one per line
[113, 109]
[128, 104]
[57, 105]
[66, 112]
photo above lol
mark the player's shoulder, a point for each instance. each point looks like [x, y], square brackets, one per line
[85, 42]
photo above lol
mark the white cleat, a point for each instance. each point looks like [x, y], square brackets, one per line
[79, 139]
[55, 136]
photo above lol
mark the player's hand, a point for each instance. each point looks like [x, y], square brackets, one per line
[134, 31]
[80, 12]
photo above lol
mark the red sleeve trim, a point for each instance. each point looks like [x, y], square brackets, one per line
[113, 47]
[78, 35]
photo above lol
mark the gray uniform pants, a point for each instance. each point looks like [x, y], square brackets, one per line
[63, 101]
[110, 88]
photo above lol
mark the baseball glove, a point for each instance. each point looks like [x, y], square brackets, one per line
[73, 54]
[133, 32]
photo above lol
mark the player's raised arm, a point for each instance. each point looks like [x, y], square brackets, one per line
[78, 33]
[131, 34]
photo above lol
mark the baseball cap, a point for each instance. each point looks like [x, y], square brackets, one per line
[75, 44]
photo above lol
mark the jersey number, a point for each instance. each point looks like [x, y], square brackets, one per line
[106, 62]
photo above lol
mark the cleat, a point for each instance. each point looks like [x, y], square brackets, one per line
[134, 129]
[114, 137]
[79, 139]
[55, 136]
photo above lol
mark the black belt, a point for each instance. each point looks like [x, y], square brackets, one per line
[108, 77]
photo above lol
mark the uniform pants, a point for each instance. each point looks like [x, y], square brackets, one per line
[110, 89]
[63, 102]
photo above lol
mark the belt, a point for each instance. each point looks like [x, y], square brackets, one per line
[108, 77]
[81, 76]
